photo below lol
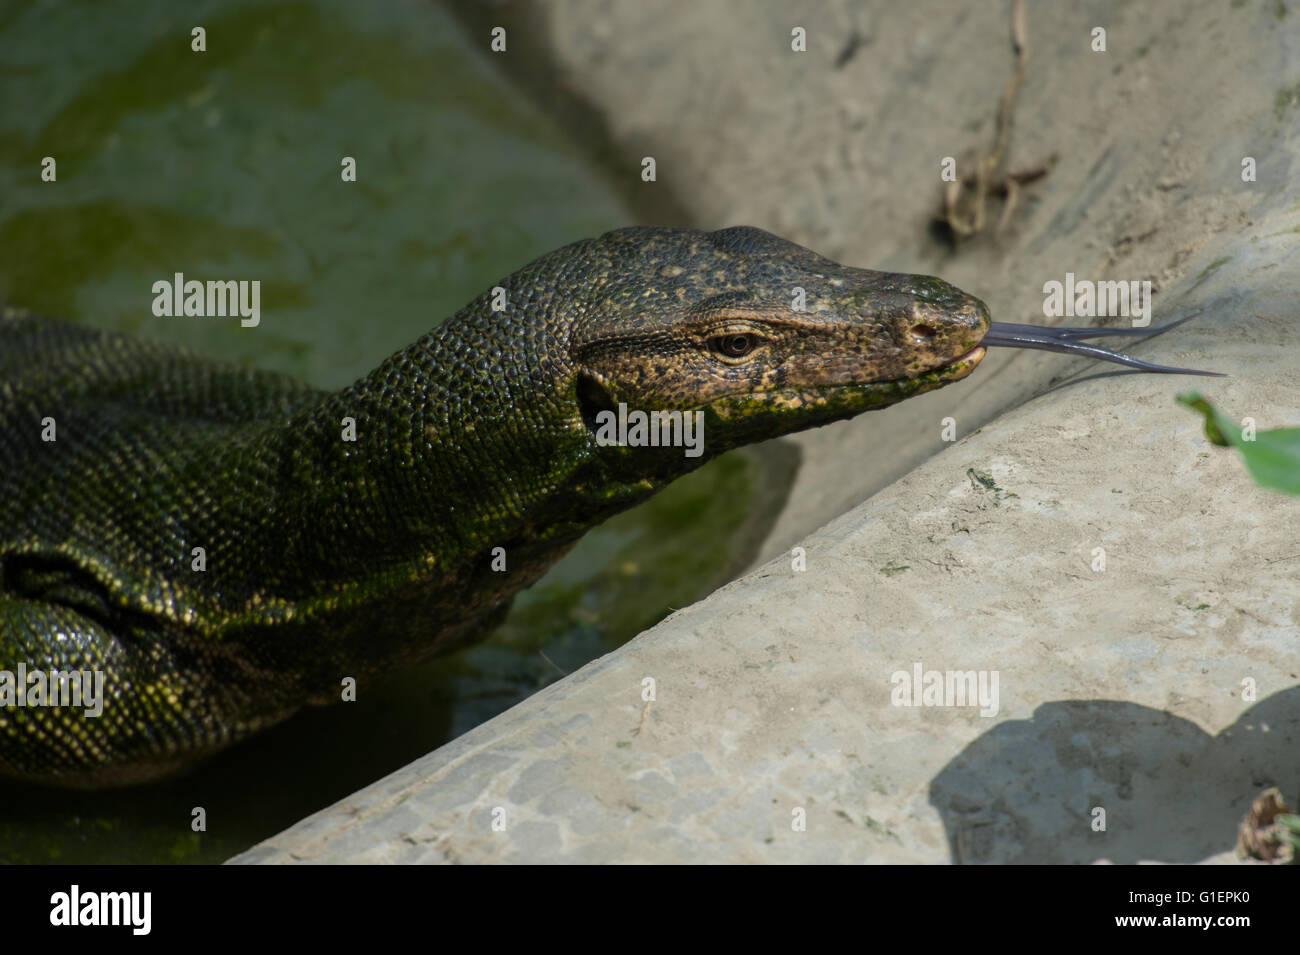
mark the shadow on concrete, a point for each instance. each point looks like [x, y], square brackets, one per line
[1027, 790]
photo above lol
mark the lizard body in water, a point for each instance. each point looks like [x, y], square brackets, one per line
[206, 537]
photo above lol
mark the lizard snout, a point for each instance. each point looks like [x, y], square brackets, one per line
[939, 329]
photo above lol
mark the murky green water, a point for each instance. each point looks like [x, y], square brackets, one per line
[225, 164]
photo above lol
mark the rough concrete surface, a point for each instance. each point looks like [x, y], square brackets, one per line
[1120, 690]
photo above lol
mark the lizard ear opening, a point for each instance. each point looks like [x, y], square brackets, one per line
[592, 399]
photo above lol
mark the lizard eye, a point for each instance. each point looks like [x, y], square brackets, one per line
[734, 345]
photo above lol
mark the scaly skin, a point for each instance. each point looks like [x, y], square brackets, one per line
[328, 559]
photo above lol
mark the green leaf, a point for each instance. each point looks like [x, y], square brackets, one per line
[1272, 458]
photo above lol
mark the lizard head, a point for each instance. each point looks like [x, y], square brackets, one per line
[761, 335]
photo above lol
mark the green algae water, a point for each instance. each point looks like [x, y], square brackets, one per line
[226, 164]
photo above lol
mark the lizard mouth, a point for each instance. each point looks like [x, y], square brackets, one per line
[962, 365]
[848, 397]
[844, 399]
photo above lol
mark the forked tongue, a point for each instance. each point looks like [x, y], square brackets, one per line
[1066, 340]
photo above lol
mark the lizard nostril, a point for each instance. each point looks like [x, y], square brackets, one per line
[922, 333]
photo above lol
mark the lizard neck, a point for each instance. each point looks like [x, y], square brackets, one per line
[453, 447]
